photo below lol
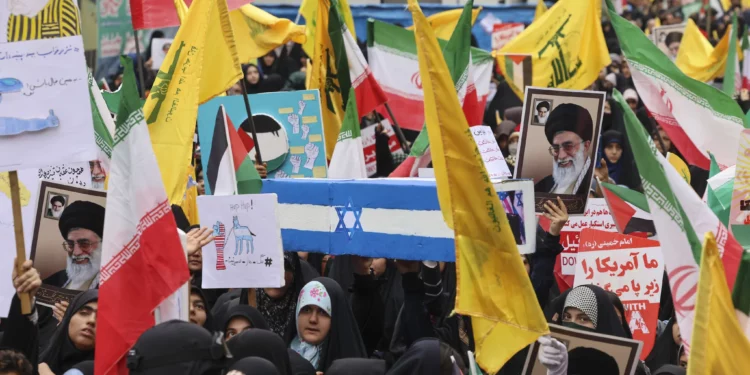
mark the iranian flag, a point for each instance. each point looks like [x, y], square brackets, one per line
[229, 169]
[366, 88]
[348, 159]
[629, 210]
[697, 117]
[680, 218]
[143, 261]
[458, 56]
[393, 58]
[104, 126]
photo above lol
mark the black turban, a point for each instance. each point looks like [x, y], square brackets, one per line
[542, 104]
[58, 199]
[569, 117]
[82, 214]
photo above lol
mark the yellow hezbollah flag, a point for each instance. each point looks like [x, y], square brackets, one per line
[697, 58]
[187, 79]
[189, 204]
[727, 3]
[566, 44]
[181, 8]
[258, 32]
[309, 10]
[324, 78]
[444, 23]
[679, 165]
[493, 287]
[541, 8]
[719, 344]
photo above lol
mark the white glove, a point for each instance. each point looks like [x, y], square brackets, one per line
[301, 107]
[311, 150]
[281, 174]
[305, 131]
[553, 355]
[294, 120]
[296, 161]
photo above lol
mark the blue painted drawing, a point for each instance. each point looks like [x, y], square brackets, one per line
[9, 86]
[14, 126]
[242, 236]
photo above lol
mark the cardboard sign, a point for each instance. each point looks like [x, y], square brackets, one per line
[631, 267]
[623, 353]
[503, 33]
[384, 218]
[246, 251]
[45, 110]
[492, 156]
[368, 145]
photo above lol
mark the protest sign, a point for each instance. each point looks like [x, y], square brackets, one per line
[246, 251]
[159, 49]
[38, 19]
[47, 250]
[289, 128]
[632, 267]
[502, 33]
[559, 139]
[384, 218]
[74, 174]
[45, 112]
[493, 158]
[668, 39]
[589, 346]
[368, 145]
[29, 183]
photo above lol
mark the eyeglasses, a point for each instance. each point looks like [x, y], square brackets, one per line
[83, 244]
[554, 150]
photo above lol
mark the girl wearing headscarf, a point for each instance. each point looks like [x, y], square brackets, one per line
[253, 79]
[666, 350]
[612, 141]
[326, 328]
[199, 311]
[240, 318]
[253, 366]
[74, 339]
[261, 343]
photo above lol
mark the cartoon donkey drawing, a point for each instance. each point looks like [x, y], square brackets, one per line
[243, 235]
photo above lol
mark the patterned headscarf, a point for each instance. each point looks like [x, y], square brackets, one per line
[583, 299]
[313, 294]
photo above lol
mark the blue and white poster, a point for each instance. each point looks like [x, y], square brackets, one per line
[289, 128]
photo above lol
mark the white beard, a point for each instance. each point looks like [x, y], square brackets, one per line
[80, 274]
[56, 214]
[565, 177]
[97, 184]
[542, 120]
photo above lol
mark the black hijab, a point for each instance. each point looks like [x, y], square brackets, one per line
[256, 87]
[670, 370]
[665, 350]
[254, 366]
[422, 358]
[261, 343]
[209, 323]
[300, 366]
[248, 312]
[607, 322]
[617, 303]
[61, 355]
[177, 347]
[343, 339]
[359, 366]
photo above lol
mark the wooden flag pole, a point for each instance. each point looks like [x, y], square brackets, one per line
[15, 197]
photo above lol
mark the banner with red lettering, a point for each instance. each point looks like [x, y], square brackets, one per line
[631, 267]
[502, 33]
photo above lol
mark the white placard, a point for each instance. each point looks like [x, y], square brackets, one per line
[493, 158]
[247, 250]
[159, 49]
[45, 110]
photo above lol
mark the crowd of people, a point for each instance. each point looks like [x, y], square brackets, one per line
[350, 314]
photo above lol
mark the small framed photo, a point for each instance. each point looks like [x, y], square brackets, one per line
[55, 205]
[541, 109]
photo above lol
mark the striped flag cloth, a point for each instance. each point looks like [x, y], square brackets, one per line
[348, 160]
[143, 261]
[220, 237]
[229, 169]
[368, 91]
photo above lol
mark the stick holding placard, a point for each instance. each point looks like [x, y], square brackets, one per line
[15, 197]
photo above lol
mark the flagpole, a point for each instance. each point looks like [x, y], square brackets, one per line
[231, 152]
[140, 64]
[397, 129]
[15, 198]
[250, 121]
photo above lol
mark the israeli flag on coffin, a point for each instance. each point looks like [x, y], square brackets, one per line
[384, 218]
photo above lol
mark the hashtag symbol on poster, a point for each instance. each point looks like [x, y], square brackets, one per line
[269, 261]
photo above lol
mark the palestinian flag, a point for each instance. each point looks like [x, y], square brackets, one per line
[629, 210]
[392, 53]
[229, 169]
[348, 160]
[519, 70]
[697, 117]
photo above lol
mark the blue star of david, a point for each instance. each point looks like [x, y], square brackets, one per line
[342, 226]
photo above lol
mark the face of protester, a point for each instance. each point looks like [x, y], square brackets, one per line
[195, 261]
[269, 59]
[674, 48]
[313, 324]
[625, 70]
[664, 138]
[526, 264]
[613, 151]
[278, 293]
[252, 74]
[574, 315]
[632, 103]
[676, 334]
[82, 328]
[197, 310]
[683, 359]
[237, 325]
[201, 186]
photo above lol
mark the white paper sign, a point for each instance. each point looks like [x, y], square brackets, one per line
[159, 49]
[493, 158]
[247, 250]
[45, 110]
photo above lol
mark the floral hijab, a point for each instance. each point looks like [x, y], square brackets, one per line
[313, 294]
